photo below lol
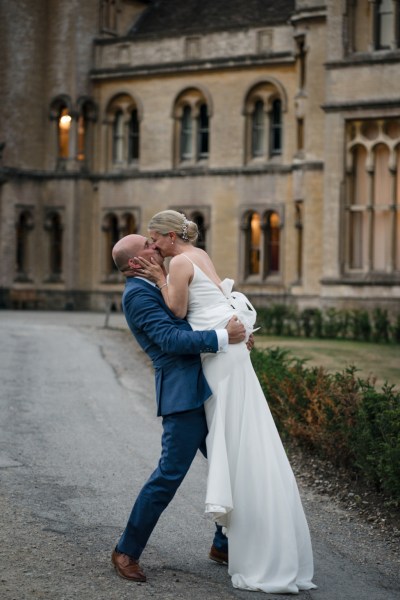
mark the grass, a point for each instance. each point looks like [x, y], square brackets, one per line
[379, 361]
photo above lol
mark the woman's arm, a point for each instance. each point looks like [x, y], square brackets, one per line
[176, 292]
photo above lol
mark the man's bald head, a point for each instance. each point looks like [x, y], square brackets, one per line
[129, 247]
[126, 248]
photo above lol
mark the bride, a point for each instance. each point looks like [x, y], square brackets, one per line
[251, 489]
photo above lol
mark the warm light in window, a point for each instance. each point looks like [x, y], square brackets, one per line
[64, 125]
[255, 228]
[65, 121]
[274, 220]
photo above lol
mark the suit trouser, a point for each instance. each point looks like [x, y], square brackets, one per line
[183, 434]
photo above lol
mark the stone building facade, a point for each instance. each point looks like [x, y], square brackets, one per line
[276, 126]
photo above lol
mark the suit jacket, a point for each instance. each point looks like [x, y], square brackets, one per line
[172, 346]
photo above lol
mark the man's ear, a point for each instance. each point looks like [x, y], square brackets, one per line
[133, 264]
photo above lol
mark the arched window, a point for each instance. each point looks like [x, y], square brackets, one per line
[111, 237]
[22, 242]
[299, 235]
[262, 244]
[123, 117]
[263, 110]
[371, 206]
[82, 127]
[128, 224]
[198, 218]
[87, 115]
[252, 249]
[118, 137]
[64, 126]
[381, 233]
[276, 127]
[24, 225]
[358, 212]
[258, 133]
[115, 225]
[191, 113]
[54, 227]
[202, 132]
[200, 214]
[73, 130]
[186, 134]
[133, 146]
[272, 243]
[56, 255]
[61, 114]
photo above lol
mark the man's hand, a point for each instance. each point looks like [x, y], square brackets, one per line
[236, 331]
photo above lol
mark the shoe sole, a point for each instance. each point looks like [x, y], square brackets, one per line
[219, 561]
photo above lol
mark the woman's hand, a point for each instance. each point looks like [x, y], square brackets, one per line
[250, 342]
[151, 270]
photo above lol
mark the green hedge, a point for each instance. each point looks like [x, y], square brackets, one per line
[358, 324]
[338, 416]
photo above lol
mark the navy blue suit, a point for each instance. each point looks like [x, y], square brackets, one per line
[181, 390]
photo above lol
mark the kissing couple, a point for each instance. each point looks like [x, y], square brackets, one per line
[198, 332]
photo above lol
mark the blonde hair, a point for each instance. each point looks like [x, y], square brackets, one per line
[171, 220]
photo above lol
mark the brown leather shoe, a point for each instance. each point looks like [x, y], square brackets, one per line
[127, 567]
[218, 556]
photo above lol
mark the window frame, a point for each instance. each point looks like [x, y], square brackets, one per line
[116, 222]
[191, 114]
[54, 225]
[378, 25]
[192, 212]
[264, 274]
[265, 96]
[24, 225]
[119, 155]
[363, 220]
[203, 132]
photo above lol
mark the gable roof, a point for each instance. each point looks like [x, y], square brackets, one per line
[184, 17]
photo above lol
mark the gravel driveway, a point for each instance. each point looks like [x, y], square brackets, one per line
[79, 435]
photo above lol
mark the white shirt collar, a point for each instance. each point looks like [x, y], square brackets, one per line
[147, 280]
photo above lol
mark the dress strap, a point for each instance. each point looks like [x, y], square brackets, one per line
[187, 258]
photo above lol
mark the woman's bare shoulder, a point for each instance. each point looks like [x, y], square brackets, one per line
[204, 262]
[181, 263]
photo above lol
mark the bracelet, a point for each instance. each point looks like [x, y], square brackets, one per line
[163, 285]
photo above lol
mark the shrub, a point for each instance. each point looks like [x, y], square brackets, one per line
[395, 331]
[264, 320]
[338, 416]
[333, 324]
[291, 325]
[360, 325]
[381, 325]
[312, 322]
[278, 319]
[376, 440]
[282, 319]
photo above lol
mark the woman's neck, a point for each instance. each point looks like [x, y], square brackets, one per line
[181, 247]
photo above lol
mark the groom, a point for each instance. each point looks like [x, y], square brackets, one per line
[181, 391]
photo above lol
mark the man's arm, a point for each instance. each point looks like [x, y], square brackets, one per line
[146, 314]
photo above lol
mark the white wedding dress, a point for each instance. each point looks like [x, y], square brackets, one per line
[251, 489]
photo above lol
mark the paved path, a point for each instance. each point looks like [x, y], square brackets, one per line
[78, 436]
